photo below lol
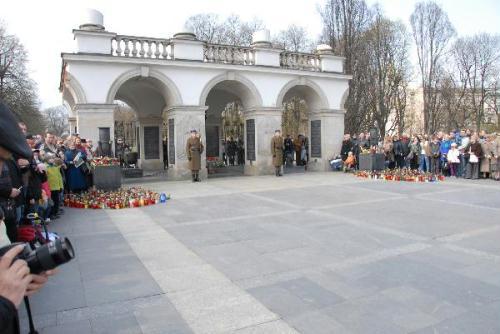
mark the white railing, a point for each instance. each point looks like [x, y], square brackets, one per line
[158, 48]
[300, 61]
[228, 54]
[142, 47]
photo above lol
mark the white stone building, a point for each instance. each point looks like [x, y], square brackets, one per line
[181, 80]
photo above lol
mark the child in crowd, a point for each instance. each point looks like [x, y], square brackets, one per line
[350, 162]
[43, 206]
[453, 157]
[55, 181]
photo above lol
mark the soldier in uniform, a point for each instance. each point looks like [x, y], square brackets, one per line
[277, 147]
[194, 149]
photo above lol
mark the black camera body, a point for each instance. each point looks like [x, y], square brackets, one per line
[44, 257]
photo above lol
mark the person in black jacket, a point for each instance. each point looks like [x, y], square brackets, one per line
[399, 152]
[15, 278]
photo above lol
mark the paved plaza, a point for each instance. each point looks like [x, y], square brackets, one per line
[306, 253]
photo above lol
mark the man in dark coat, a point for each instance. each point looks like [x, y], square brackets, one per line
[277, 147]
[194, 150]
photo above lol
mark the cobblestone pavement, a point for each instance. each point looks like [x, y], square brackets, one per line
[307, 253]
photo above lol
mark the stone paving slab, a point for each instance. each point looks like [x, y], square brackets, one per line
[306, 253]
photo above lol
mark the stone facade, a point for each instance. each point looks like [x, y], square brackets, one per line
[180, 78]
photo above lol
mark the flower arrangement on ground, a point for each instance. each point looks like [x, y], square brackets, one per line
[118, 199]
[404, 174]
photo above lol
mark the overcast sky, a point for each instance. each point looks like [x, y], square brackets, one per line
[44, 27]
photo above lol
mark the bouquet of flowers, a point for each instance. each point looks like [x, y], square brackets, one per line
[104, 161]
[119, 199]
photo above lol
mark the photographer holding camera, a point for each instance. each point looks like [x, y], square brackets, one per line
[16, 281]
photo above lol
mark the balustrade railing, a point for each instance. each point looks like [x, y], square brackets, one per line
[157, 48]
[300, 61]
[142, 47]
[228, 54]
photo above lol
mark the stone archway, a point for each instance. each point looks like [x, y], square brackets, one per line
[148, 96]
[302, 102]
[73, 95]
[227, 97]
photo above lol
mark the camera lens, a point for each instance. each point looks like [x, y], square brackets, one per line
[50, 255]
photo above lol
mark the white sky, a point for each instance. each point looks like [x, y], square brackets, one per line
[44, 27]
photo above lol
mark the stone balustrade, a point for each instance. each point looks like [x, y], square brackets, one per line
[142, 47]
[157, 48]
[228, 54]
[300, 61]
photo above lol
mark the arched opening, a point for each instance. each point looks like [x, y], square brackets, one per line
[139, 131]
[72, 94]
[300, 102]
[227, 101]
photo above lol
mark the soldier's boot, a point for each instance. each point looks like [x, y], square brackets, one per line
[197, 177]
[193, 177]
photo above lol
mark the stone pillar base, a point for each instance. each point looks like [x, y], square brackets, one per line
[179, 174]
[186, 118]
[267, 120]
[332, 130]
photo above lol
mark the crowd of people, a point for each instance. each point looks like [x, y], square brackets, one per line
[234, 152]
[296, 149]
[37, 185]
[464, 153]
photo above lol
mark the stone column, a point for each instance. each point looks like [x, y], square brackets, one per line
[93, 118]
[150, 141]
[330, 123]
[72, 124]
[265, 121]
[182, 119]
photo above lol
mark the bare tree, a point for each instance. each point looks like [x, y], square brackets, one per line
[477, 59]
[432, 32]
[344, 25]
[17, 90]
[493, 103]
[56, 119]
[230, 31]
[206, 27]
[295, 38]
[388, 44]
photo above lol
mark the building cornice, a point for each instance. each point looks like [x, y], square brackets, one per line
[99, 58]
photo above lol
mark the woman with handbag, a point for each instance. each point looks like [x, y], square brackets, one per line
[475, 152]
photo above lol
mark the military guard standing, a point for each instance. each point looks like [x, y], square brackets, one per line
[277, 146]
[194, 149]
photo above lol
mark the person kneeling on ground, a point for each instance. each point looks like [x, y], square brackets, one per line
[350, 162]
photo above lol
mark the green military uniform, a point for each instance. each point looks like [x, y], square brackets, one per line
[194, 149]
[277, 147]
